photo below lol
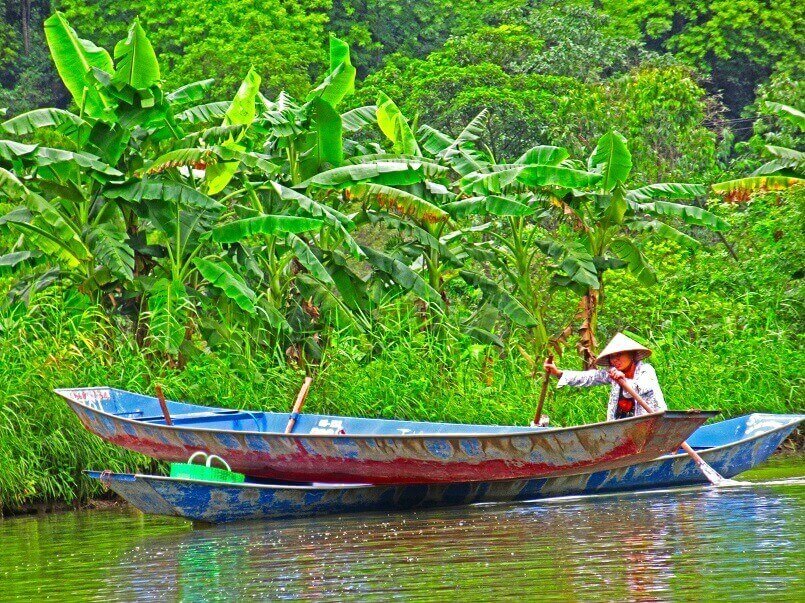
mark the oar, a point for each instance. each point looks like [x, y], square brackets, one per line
[300, 400]
[163, 405]
[545, 380]
[711, 474]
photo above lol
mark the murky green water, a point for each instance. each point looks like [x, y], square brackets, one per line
[702, 544]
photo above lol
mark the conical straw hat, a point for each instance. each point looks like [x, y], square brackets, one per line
[621, 343]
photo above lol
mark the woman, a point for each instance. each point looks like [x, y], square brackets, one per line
[624, 357]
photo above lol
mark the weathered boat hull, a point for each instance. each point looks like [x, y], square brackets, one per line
[374, 451]
[748, 442]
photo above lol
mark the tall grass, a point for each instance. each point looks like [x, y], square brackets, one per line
[727, 335]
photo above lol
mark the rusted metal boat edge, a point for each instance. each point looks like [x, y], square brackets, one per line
[216, 502]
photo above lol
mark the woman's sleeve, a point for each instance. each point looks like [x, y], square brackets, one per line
[583, 378]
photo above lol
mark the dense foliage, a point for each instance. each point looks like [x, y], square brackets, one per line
[518, 178]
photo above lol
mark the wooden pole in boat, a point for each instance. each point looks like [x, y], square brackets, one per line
[297, 407]
[163, 405]
[545, 380]
[711, 474]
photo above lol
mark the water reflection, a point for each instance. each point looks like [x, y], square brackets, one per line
[696, 544]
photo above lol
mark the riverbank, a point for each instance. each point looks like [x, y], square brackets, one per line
[726, 335]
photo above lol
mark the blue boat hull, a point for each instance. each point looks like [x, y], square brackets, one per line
[731, 447]
[336, 449]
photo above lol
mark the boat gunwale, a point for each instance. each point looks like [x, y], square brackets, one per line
[341, 487]
[795, 422]
[363, 436]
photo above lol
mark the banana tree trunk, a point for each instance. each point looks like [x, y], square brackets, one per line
[588, 313]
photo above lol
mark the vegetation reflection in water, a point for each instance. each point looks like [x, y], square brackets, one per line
[698, 543]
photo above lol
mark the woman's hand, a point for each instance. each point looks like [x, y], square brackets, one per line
[616, 375]
[551, 368]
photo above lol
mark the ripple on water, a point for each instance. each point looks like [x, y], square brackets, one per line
[695, 544]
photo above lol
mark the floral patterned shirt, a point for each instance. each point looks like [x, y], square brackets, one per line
[644, 383]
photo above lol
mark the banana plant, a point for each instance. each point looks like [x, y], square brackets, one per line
[786, 167]
[607, 221]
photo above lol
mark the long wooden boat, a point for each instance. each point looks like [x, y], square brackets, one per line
[731, 447]
[339, 449]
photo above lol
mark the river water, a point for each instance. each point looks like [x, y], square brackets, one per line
[743, 543]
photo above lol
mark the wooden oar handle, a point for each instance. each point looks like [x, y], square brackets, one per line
[163, 405]
[297, 407]
[545, 380]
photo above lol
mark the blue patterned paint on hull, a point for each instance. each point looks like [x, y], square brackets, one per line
[731, 447]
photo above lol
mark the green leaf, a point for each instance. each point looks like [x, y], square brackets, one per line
[138, 191]
[74, 58]
[137, 64]
[359, 118]
[402, 275]
[543, 155]
[795, 116]
[308, 259]
[616, 210]
[265, 224]
[689, 214]
[108, 243]
[69, 124]
[501, 299]
[495, 205]
[394, 125]
[168, 309]
[636, 261]
[189, 93]
[327, 125]
[233, 285]
[666, 190]
[242, 110]
[612, 158]
[554, 175]
[206, 113]
[340, 79]
[10, 260]
[391, 173]
[666, 232]
[399, 202]
[742, 188]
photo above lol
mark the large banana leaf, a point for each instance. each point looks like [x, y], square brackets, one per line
[137, 64]
[74, 58]
[665, 231]
[391, 173]
[543, 155]
[243, 112]
[556, 175]
[635, 260]
[206, 113]
[402, 275]
[359, 118]
[238, 230]
[189, 93]
[501, 299]
[399, 202]
[168, 309]
[327, 126]
[68, 124]
[394, 125]
[222, 276]
[612, 159]
[689, 214]
[340, 79]
[795, 116]
[742, 188]
[666, 190]
[308, 259]
[492, 204]
[108, 242]
[177, 193]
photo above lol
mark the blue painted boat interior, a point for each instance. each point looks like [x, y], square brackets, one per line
[147, 409]
[732, 430]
